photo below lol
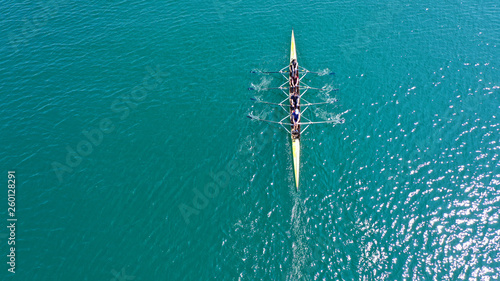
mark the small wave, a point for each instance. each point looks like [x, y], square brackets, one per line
[327, 89]
[324, 72]
[264, 83]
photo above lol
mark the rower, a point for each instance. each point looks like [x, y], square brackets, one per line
[294, 81]
[296, 119]
[295, 100]
[293, 68]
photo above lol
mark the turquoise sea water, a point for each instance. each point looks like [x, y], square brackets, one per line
[153, 97]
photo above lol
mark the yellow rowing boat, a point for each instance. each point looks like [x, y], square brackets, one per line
[295, 137]
[301, 89]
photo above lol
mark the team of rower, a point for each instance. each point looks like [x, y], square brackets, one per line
[294, 96]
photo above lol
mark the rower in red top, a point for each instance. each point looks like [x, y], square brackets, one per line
[294, 82]
[294, 68]
[294, 74]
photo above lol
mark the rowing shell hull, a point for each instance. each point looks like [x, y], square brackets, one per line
[293, 51]
[296, 160]
[295, 141]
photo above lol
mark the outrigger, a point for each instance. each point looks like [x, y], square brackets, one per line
[294, 97]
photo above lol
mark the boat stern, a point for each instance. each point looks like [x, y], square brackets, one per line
[296, 160]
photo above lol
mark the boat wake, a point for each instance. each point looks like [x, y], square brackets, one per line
[327, 89]
[324, 72]
[300, 249]
[264, 84]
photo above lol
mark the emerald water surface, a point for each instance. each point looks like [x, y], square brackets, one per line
[126, 125]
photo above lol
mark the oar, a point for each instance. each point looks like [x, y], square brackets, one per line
[316, 103]
[270, 121]
[257, 100]
[323, 122]
[258, 71]
[281, 88]
[318, 73]
[320, 89]
[302, 104]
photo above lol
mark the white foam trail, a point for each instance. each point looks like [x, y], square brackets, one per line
[265, 81]
[324, 72]
[327, 89]
[300, 250]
